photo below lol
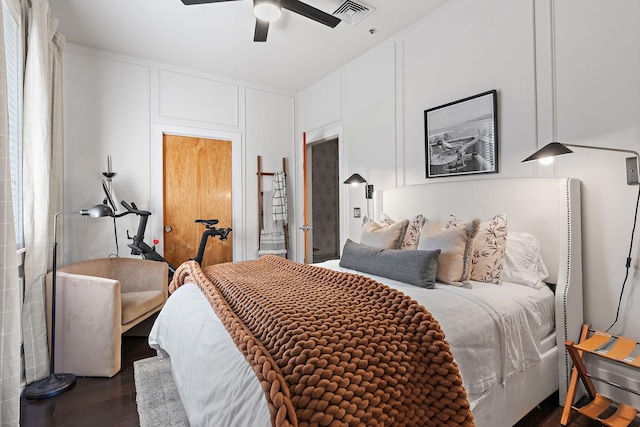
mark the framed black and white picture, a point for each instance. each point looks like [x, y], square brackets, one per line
[461, 137]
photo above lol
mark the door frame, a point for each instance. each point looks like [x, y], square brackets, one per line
[313, 137]
[156, 220]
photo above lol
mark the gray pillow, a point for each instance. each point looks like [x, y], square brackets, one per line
[415, 267]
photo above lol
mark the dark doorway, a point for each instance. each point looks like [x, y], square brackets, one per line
[325, 206]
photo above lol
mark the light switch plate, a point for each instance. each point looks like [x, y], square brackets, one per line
[356, 212]
[632, 171]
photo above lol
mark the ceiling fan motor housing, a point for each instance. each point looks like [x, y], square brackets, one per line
[273, 8]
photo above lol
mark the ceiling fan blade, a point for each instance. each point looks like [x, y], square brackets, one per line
[310, 12]
[189, 2]
[262, 28]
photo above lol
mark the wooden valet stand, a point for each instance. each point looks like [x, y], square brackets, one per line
[614, 348]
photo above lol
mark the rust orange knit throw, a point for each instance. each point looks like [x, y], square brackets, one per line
[334, 349]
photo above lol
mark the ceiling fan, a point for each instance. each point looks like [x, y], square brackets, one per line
[267, 10]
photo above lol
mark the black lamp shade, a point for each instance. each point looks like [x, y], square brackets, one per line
[550, 150]
[355, 179]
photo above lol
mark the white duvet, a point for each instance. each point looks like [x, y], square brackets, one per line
[494, 332]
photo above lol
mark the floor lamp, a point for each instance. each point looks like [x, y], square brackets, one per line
[55, 383]
[546, 154]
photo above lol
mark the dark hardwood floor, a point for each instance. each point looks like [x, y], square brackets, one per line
[94, 402]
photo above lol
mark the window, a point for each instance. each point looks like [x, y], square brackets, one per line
[13, 58]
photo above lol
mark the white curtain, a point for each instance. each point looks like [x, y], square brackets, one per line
[9, 284]
[42, 169]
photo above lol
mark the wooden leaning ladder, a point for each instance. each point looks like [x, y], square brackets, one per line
[262, 174]
[618, 349]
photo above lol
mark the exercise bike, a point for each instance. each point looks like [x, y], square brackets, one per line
[140, 248]
[138, 245]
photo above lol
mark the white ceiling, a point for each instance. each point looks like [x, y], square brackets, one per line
[217, 38]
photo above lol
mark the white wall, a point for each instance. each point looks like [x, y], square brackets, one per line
[106, 112]
[597, 73]
[565, 70]
[270, 136]
[370, 133]
[121, 106]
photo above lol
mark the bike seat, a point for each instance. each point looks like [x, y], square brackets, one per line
[207, 221]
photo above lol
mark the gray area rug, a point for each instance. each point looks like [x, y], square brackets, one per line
[159, 403]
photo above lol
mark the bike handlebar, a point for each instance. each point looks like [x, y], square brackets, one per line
[138, 247]
[132, 209]
[208, 223]
[213, 231]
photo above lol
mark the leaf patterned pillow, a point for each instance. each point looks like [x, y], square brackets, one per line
[487, 258]
[411, 235]
[384, 220]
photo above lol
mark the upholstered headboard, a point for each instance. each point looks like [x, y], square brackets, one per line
[548, 208]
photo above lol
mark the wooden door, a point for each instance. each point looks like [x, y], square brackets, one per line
[197, 185]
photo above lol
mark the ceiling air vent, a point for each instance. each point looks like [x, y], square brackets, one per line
[353, 12]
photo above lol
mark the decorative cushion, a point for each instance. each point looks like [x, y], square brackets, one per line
[487, 259]
[523, 263]
[414, 267]
[411, 235]
[389, 237]
[456, 245]
[384, 220]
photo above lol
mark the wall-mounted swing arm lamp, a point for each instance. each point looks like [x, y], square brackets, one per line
[357, 179]
[546, 154]
[56, 383]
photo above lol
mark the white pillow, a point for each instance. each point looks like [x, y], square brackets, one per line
[523, 262]
[377, 236]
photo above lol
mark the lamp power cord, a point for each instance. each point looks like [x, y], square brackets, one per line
[628, 264]
[115, 233]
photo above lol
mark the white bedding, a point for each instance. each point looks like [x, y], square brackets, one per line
[494, 331]
[216, 384]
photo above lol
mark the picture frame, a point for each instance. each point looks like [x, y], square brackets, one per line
[461, 137]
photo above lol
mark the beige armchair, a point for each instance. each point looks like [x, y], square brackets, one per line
[97, 301]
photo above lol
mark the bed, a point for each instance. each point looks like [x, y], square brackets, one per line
[523, 355]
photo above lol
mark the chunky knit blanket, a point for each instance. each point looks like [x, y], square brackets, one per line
[332, 348]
